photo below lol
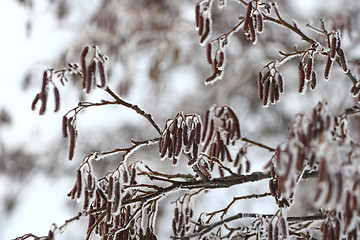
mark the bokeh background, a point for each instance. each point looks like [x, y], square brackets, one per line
[157, 63]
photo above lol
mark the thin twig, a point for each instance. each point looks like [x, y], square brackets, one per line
[135, 108]
[258, 144]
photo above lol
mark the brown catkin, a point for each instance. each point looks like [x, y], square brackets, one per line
[170, 149]
[178, 143]
[208, 53]
[301, 82]
[195, 153]
[266, 92]
[212, 77]
[309, 66]
[227, 153]
[301, 72]
[64, 126]
[73, 191]
[333, 46]
[83, 64]
[252, 31]
[280, 83]
[270, 231]
[221, 59]
[327, 68]
[181, 221]
[260, 22]
[300, 160]
[176, 214]
[36, 99]
[276, 232]
[219, 111]
[247, 17]
[43, 97]
[313, 80]
[198, 133]
[206, 121]
[206, 31]
[43, 86]
[265, 77]
[72, 134]
[247, 166]
[197, 14]
[272, 187]
[272, 91]
[117, 195]
[210, 135]
[342, 59]
[337, 229]
[166, 143]
[125, 176]
[201, 25]
[102, 74]
[78, 183]
[191, 139]
[90, 76]
[108, 212]
[132, 175]
[283, 227]
[86, 199]
[174, 226]
[277, 93]
[260, 86]
[57, 99]
[110, 188]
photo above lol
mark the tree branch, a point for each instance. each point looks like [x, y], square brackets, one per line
[135, 108]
